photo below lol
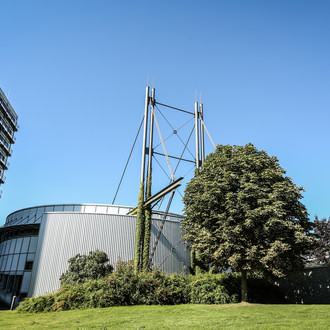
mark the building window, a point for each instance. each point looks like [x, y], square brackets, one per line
[28, 265]
[10, 282]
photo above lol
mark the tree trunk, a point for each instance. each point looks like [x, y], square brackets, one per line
[192, 262]
[244, 286]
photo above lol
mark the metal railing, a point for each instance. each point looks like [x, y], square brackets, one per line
[6, 128]
[4, 142]
[4, 163]
[7, 107]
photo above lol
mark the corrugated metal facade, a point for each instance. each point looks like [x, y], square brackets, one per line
[66, 230]
[63, 235]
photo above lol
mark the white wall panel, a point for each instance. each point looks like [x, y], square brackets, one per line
[67, 230]
[63, 235]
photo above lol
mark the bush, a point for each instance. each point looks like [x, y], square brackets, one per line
[69, 297]
[156, 288]
[213, 289]
[86, 267]
[38, 304]
[123, 287]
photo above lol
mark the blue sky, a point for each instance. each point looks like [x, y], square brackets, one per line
[76, 71]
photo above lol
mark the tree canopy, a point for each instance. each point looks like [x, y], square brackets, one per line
[321, 251]
[243, 213]
[86, 267]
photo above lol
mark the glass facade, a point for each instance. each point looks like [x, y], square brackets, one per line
[8, 127]
[17, 253]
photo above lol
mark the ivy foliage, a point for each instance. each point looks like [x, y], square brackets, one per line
[86, 267]
[243, 213]
[140, 231]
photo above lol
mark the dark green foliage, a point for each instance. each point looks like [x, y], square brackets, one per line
[86, 267]
[69, 297]
[321, 251]
[147, 226]
[211, 289]
[243, 213]
[139, 234]
[38, 304]
[148, 288]
[120, 288]
[125, 287]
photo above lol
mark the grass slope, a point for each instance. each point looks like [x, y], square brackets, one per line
[232, 316]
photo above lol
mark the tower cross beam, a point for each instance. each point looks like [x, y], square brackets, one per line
[172, 186]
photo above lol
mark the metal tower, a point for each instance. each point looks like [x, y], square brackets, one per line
[146, 200]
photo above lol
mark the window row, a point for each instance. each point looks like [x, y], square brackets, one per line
[27, 232]
[3, 157]
[6, 126]
[16, 284]
[19, 245]
[6, 107]
[16, 262]
[4, 141]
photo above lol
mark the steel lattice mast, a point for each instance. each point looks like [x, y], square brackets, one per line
[143, 257]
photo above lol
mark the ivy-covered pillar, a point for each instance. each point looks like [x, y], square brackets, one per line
[140, 226]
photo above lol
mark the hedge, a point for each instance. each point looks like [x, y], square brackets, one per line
[123, 287]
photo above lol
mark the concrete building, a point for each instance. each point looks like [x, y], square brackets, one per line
[8, 127]
[36, 243]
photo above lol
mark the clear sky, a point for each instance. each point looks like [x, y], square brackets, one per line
[75, 72]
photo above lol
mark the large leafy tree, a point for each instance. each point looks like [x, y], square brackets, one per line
[84, 267]
[243, 213]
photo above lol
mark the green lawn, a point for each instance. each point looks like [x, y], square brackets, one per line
[233, 316]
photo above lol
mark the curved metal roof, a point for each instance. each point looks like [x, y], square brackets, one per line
[33, 215]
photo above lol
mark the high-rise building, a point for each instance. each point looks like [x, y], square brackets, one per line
[8, 127]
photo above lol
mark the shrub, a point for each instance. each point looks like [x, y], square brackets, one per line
[69, 297]
[86, 267]
[125, 287]
[38, 304]
[156, 288]
[212, 289]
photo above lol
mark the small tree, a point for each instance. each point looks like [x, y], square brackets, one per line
[243, 213]
[321, 251]
[86, 267]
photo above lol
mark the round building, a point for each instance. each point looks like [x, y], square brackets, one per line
[36, 243]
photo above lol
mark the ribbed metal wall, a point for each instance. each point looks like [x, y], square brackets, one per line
[171, 255]
[63, 235]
